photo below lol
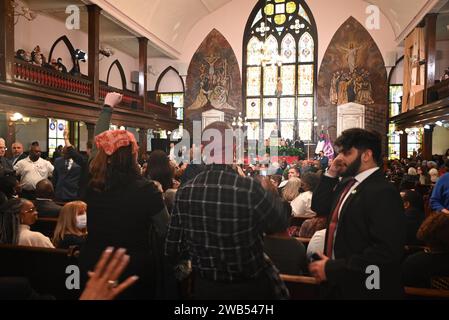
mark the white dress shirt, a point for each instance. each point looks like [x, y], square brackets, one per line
[33, 239]
[316, 243]
[301, 205]
[33, 172]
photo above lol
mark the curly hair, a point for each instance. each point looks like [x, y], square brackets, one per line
[362, 140]
[434, 231]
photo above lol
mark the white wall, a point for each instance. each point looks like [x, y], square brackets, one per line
[442, 60]
[329, 15]
[440, 140]
[170, 83]
[33, 131]
[397, 77]
[45, 30]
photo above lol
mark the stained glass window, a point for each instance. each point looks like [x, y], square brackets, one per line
[280, 68]
[269, 80]
[288, 79]
[253, 108]
[305, 108]
[287, 110]
[270, 107]
[253, 53]
[303, 14]
[269, 128]
[305, 130]
[253, 81]
[288, 49]
[287, 129]
[305, 79]
[253, 131]
[306, 48]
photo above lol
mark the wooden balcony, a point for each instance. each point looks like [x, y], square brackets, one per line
[43, 92]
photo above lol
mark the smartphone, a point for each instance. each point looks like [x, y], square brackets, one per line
[314, 257]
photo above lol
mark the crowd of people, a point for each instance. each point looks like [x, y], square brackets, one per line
[232, 228]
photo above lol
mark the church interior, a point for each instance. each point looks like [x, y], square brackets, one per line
[101, 103]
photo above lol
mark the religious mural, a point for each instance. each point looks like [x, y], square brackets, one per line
[213, 80]
[352, 70]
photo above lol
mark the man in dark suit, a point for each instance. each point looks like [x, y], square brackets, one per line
[6, 168]
[365, 234]
[66, 177]
[17, 153]
[45, 205]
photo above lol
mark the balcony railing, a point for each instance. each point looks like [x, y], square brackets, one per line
[130, 99]
[28, 73]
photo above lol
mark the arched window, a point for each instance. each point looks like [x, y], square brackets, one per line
[279, 69]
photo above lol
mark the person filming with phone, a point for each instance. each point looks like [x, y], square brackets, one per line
[365, 233]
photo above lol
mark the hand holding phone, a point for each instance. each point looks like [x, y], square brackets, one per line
[314, 257]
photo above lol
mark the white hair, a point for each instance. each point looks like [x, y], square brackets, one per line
[412, 171]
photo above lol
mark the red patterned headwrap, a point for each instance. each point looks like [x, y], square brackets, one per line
[110, 141]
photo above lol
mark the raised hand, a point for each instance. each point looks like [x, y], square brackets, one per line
[112, 99]
[103, 283]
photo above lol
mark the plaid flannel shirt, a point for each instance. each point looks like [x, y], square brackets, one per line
[218, 222]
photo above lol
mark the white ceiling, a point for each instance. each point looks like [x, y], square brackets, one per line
[167, 22]
[403, 13]
[112, 32]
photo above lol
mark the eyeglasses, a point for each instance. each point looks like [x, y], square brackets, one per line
[4, 148]
[33, 209]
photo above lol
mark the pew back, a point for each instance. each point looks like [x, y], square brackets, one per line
[45, 268]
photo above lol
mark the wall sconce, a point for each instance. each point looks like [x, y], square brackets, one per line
[22, 12]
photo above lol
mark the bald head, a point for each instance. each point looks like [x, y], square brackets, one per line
[2, 147]
[218, 142]
[44, 189]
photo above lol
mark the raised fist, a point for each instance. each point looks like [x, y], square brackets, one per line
[112, 99]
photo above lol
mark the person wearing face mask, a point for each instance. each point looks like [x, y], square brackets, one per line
[71, 229]
[32, 170]
[366, 227]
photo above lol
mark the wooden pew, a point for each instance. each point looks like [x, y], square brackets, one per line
[301, 287]
[45, 268]
[426, 294]
[46, 226]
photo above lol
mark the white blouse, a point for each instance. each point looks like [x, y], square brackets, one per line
[301, 205]
[33, 239]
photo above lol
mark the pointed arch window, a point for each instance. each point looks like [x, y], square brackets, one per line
[280, 94]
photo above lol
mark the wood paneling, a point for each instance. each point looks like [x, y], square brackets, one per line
[6, 41]
[94, 50]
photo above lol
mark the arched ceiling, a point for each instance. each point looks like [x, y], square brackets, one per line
[165, 22]
[405, 14]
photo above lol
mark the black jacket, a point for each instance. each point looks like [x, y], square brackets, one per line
[6, 168]
[21, 157]
[370, 232]
[47, 208]
[66, 182]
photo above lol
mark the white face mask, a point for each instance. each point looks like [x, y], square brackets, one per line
[81, 221]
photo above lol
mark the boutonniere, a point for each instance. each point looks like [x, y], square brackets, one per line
[354, 191]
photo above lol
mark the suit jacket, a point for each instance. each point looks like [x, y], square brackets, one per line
[66, 181]
[47, 208]
[370, 232]
[21, 157]
[6, 168]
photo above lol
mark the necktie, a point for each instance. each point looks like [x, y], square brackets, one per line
[334, 218]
